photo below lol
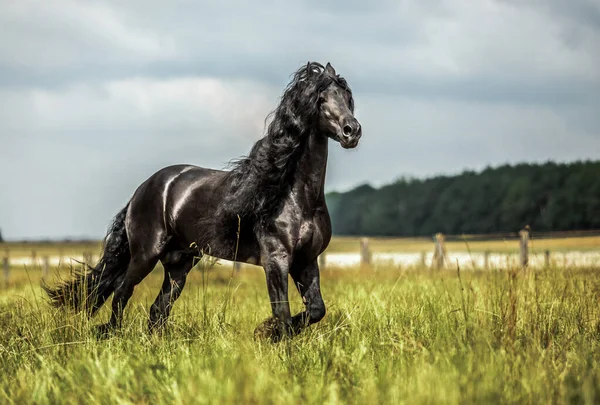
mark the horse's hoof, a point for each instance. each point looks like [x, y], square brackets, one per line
[156, 328]
[268, 330]
[103, 331]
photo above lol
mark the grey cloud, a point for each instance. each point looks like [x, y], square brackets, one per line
[580, 12]
[485, 88]
[369, 42]
[96, 96]
[444, 137]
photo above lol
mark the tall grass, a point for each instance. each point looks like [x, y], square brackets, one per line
[389, 337]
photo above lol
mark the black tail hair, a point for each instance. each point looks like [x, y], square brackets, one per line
[90, 289]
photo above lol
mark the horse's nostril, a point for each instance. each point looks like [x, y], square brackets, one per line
[347, 130]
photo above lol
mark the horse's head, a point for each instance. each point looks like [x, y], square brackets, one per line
[318, 101]
[336, 110]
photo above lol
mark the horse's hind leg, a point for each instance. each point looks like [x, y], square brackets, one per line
[145, 252]
[138, 269]
[177, 265]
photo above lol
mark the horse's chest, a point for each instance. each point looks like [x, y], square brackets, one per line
[313, 235]
[308, 224]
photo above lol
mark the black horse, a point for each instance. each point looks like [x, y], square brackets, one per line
[268, 210]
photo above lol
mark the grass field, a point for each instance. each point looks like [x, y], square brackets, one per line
[388, 337]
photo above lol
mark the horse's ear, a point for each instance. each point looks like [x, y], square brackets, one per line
[329, 69]
[308, 69]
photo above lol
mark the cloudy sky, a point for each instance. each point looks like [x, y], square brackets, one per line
[95, 96]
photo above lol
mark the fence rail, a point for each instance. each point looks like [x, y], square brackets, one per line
[490, 236]
[45, 255]
[440, 258]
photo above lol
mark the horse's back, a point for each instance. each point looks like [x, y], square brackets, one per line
[190, 197]
[165, 179]
[159, 199]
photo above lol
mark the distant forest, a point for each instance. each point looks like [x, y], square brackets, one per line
[547, 197]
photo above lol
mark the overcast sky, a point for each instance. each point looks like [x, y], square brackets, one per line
[95, 96]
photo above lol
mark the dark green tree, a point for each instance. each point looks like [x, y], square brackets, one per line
[549, 197]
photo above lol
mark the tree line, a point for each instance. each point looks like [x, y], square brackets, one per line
[547, 197]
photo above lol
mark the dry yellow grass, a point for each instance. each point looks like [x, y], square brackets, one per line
[42, 249]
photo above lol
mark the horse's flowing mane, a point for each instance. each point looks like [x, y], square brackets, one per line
[261, 179]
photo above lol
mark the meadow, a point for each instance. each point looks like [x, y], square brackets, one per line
[389, 336]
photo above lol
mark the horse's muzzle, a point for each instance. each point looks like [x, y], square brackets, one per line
[350, 133]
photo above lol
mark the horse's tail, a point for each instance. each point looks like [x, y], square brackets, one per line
[90, 289]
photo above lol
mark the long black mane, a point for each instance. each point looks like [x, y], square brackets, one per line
[262, 178]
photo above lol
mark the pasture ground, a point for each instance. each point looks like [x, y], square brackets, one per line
[389, 336]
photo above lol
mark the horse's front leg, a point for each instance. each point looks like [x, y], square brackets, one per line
[276, 262]
[307, 280]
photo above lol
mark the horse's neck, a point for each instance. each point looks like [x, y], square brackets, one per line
[312, 165]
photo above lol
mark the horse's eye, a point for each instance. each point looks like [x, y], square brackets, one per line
[321, 100]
